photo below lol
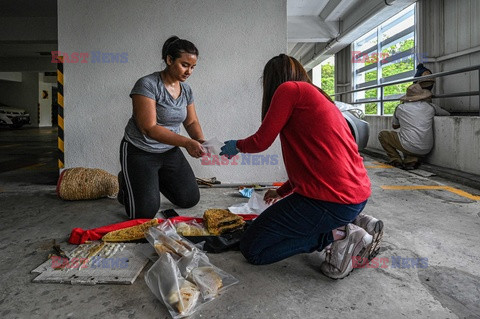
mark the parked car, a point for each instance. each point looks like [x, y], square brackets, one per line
[360, 129]
[13, 117]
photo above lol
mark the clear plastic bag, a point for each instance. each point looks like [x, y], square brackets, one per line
[183, 277]
[191, 228]
[212, 146]
[166, 282]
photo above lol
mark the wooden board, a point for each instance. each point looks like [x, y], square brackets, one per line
[122, 267]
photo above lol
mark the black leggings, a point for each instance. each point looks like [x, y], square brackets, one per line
[147, 174]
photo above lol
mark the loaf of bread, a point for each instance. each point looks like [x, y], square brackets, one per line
[219, 221]
[130, 233]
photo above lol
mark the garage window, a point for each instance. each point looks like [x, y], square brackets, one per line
[323, 75]
[386, 53]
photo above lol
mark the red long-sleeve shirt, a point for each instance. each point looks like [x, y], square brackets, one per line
[321, 157]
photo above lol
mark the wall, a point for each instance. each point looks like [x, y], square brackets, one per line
[45, 108]
[456, 141]
[235, 40]
[23, 94]
[11, 76]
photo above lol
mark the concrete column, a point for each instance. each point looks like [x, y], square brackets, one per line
[343, 73]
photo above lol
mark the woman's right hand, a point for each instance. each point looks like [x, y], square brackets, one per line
[271, 196]
[195, 149]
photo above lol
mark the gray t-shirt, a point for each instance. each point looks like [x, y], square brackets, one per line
[416, 125]
[170, 112]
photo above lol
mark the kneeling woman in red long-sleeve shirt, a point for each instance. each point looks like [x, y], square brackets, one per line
[328, 185]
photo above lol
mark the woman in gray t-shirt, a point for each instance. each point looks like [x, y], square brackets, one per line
[150, 154]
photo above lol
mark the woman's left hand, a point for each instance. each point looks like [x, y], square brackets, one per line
[229, 149]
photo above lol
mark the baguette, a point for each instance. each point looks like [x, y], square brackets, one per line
[130, 233]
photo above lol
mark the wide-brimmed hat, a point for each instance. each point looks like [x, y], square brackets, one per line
[416, 93]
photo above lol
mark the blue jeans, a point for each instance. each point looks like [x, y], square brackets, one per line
[294, 225]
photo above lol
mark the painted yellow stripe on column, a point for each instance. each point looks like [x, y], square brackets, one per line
[60, 164]
[454, 190]
[60, 99]
[60, 145]
[60, 122]
[60, 77]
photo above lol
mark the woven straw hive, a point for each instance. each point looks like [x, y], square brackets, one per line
[86, 183]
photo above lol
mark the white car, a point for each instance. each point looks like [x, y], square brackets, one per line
[360, 129]
[13, 117]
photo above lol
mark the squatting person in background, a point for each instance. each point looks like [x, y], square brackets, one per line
[414, 119]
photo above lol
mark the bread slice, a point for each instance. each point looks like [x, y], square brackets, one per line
[162, 249]
[185, 229]
[176, 246]
[130, 233]
[208, 281]
[186, 298]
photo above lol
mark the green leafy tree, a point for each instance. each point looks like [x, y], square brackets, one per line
[390, 70]
[328, 78]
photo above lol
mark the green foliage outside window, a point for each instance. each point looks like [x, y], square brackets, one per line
[389, 70]
[328, 78]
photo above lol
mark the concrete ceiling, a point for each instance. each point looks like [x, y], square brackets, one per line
[316, 28]
[28, 27]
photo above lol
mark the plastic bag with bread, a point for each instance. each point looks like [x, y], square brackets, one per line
[183, 277]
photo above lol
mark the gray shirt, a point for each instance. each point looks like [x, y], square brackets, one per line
[170, 112]
[416, 125]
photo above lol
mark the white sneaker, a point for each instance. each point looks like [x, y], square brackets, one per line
[339, 258]
[374, 227]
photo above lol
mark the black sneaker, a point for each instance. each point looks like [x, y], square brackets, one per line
[411, 166]
[396, 164]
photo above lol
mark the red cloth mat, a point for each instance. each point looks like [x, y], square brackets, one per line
[79, 236]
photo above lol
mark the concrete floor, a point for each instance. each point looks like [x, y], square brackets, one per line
[437, 224]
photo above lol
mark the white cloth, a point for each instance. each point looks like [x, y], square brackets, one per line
[416, 125]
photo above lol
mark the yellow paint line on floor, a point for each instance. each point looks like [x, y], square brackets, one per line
[454, 190]
[34, 166]
[9, 145]
[378, 165]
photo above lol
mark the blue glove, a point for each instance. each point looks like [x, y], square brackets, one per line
[229, 149]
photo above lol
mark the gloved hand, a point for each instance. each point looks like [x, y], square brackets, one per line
[229, 149]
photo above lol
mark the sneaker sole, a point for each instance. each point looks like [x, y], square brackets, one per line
[377, 238]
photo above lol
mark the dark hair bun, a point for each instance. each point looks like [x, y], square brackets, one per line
[174, 47]
[167, 44]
